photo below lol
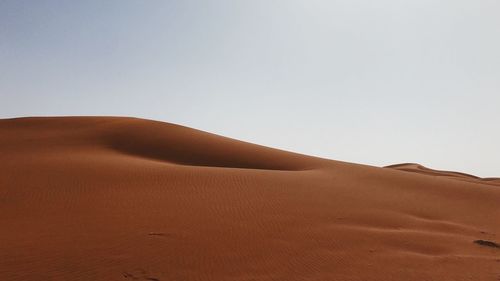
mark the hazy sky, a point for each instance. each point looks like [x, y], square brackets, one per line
[374, 82]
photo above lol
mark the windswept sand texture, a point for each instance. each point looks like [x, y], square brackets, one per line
[86, 198]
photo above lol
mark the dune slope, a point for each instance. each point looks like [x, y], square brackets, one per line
[100, 198]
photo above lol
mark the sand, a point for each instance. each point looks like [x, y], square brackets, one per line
[100, 198]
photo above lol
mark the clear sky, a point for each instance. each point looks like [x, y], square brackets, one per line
[373, 82]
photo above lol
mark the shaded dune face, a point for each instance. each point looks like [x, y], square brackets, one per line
[184, 146]
[157, 141]
[109, 198]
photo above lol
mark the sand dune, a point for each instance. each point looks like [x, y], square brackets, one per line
[417, 168]
[89, 198]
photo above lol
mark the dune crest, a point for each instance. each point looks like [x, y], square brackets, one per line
[111, 198]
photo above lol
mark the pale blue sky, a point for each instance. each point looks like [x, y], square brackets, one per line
[374, 82]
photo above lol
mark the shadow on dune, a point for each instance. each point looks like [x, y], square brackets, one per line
[176, 144]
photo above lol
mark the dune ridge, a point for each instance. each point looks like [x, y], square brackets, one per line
[113, 198]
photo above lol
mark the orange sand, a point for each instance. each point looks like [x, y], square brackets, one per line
[88, 198]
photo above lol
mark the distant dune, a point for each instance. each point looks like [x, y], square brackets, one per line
[417, 168]
[101, 198]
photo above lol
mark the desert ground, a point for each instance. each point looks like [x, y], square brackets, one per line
[111, 198]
